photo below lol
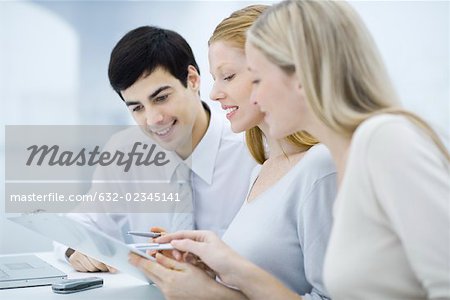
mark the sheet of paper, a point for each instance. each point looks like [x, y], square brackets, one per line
[88, 241]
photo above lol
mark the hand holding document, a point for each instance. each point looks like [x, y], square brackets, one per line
[88, 241]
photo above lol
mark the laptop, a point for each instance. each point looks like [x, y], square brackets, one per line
[26, 271]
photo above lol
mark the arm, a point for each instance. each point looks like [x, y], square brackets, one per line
[179, 280]
[314, 227]
[232, 269]
[262, 285]
[412, 184]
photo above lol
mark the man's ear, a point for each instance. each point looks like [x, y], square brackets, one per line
[193, 78]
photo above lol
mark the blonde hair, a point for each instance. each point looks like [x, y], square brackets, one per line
[233, 30]
[331, 51]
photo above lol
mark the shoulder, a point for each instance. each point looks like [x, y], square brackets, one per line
[388, 129]
[315, 176]
[391, 136]
[383, 128]
[317, 162]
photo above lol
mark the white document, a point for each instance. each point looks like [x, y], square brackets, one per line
[88, 241]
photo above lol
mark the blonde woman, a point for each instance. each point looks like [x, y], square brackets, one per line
[292, 191]
[390, 237]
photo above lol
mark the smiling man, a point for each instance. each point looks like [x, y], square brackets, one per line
[154, 72]
[168, 112]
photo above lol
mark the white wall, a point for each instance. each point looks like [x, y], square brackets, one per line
[414, 39]
[54, 57]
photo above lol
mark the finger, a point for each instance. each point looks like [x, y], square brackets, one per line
[158, 229]
[169, 263]
[196, 235]
[187, 245]
[177, 255]
[135, 260]
[77, 266]
[167, 253]
[87, 264]
[187, 257]
[74, 263]
[111, 269]
[98, 265]
[153, 270]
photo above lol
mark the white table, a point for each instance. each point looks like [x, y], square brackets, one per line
[115, 286]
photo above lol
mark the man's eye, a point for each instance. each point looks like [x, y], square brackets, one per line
[228, 78]
[161, 98]
[256, 81]
[137, 108]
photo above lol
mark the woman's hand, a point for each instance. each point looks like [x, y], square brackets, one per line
[179, 280]
[162, 231]
[209, 248]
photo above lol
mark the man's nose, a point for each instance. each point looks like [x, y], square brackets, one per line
[153, 117]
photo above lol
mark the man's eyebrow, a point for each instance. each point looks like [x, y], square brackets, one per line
[159, 90]
[129, 103]
[153, 95]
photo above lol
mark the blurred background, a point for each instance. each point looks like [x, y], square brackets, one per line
[54, 57]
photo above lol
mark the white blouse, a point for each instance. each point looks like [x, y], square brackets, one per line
[391, 236]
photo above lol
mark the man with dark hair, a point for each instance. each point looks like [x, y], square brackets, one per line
[154, 72]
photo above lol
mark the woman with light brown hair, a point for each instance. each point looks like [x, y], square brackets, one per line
[291, 194]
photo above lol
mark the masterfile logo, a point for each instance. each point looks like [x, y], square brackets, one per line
[53, 156]
[83, 169]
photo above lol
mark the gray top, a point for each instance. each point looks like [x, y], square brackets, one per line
[285, 230]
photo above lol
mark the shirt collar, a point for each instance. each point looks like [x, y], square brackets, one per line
[205, 154]
[203, 159]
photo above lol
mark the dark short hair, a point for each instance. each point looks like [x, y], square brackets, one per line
[144, 49]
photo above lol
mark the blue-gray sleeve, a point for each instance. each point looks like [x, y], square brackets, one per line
[314, 227]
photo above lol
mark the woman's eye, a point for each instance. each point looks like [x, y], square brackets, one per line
[228, 78]
[256, 81]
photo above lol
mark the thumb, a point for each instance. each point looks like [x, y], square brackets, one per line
[111, 269]
[188, 245]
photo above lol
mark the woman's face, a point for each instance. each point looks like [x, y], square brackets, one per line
[279, 95]
[232, 86]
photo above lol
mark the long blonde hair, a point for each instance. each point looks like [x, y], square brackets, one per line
[233, 30]
[333, 55]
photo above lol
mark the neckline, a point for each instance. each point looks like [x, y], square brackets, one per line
[279, 181]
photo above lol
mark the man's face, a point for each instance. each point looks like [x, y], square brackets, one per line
[165, 109]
